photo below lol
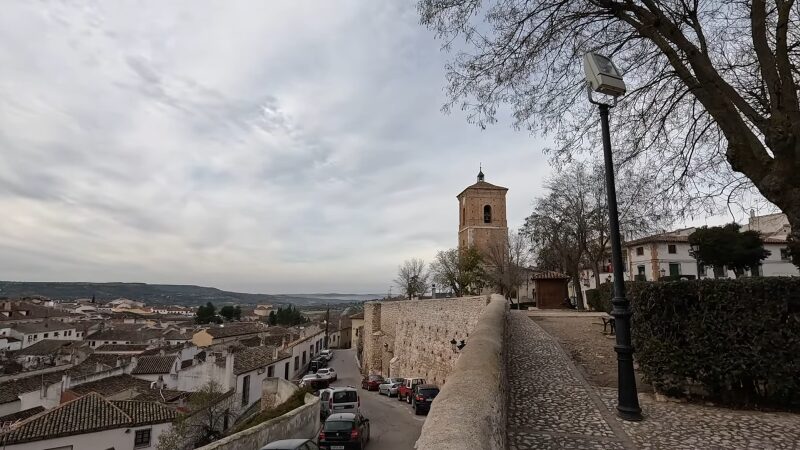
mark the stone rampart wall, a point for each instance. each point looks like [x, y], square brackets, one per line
[470, 411]
[413, 338]
[300, 423]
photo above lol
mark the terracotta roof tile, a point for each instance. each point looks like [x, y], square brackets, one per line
[236, 330]
[154, 364]
[87, 414]
[43, 348]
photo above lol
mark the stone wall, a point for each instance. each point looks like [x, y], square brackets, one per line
[412, 338]
[470, 411]
[275, 391]
[300, 423]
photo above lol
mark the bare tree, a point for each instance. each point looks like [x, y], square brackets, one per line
[459, 270]
[713, 102]
[412, 278]
[569, 226]
[210, 412]
[506, 262]
[560, 226]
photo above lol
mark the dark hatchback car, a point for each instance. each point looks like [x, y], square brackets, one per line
[344, 431]
[423, 397]
[371, 382]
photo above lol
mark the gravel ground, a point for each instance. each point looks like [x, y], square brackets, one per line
[583, 339]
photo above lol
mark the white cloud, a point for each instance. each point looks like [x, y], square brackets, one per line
[259, 146]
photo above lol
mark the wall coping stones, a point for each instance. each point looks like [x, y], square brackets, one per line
[470, 410]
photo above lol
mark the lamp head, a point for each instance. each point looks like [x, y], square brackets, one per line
[602, 75]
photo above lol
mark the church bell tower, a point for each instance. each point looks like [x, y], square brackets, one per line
[482, 216]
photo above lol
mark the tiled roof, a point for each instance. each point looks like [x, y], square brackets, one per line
[483, 185]
[175, 335]
[20, 415]
[113, 348]
[253, 358]
[110, 385]
[11, 389]
[43, 348]
[548, 275]
[236, 330]
[43, 327]
[87, 414]
[106, 360]
[17, 310]
[128, 335]
[358, 316]
[154, 364]
[167, 349]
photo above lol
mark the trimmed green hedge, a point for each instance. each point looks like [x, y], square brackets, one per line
[600, 299]
[733, 341]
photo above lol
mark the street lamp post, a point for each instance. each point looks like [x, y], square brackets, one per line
[603, 77]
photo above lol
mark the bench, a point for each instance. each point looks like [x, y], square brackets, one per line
[609, 320]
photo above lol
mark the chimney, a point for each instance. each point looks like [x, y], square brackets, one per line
[274, 352]
[98, 367]
[161, 352]
[230, 381]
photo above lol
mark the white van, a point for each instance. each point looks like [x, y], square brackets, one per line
[339, 400]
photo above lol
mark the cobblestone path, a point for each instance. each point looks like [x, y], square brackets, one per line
[551, 406]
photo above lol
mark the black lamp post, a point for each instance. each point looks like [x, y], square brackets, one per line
[603, 77]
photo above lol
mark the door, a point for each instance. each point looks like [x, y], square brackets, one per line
[286, 371]
[674, 269]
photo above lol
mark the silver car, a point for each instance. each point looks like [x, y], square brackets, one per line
[389, 387]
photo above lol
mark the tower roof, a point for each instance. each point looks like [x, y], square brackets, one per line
[482, 185]
[480, 173]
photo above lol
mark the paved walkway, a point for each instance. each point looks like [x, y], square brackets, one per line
[551, 406]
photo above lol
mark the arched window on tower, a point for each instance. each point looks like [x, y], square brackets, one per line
[487, 214]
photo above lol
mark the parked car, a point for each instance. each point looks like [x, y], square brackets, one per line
[317, 363]
[389, 386]
[327, 354]
[344, 431]
[314, 382]
[406, 389]
[328, 372]
[371, 382]
[342, 399]
[291, 444]
[423, 397]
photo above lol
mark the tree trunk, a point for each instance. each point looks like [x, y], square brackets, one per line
[578, 293]
[596, 274]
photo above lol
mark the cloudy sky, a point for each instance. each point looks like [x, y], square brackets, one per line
[281, 146]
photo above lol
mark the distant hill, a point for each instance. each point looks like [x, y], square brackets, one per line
[166, 294]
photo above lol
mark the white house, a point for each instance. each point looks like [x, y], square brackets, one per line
[92, 422]
[32, 332]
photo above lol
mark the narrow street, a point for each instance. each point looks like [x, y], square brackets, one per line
[393, 425]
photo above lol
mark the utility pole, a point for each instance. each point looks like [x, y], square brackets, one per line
[327, 320]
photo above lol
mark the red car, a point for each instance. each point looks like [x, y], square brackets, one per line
[371, 382]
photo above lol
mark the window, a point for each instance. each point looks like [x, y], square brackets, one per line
[674, 269]
[672, 249]
[785, 254]
[246, 390]
[463, 216]
[56, 334]
[142, 438]
[487, 214]
[296, 364]
[356, 331]
[46, 335]
[304, 357]
[286, 371]
[639, 251]
[271, 371]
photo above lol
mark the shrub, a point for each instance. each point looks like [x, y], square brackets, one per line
[296, 400]
[738, 340]
[600, 299]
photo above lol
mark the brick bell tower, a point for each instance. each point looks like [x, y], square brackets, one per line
[482, 215]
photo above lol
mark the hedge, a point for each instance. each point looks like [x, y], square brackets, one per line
[600, 299]
[733, 341]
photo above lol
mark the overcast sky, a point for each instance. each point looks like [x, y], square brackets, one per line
[255, 146]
